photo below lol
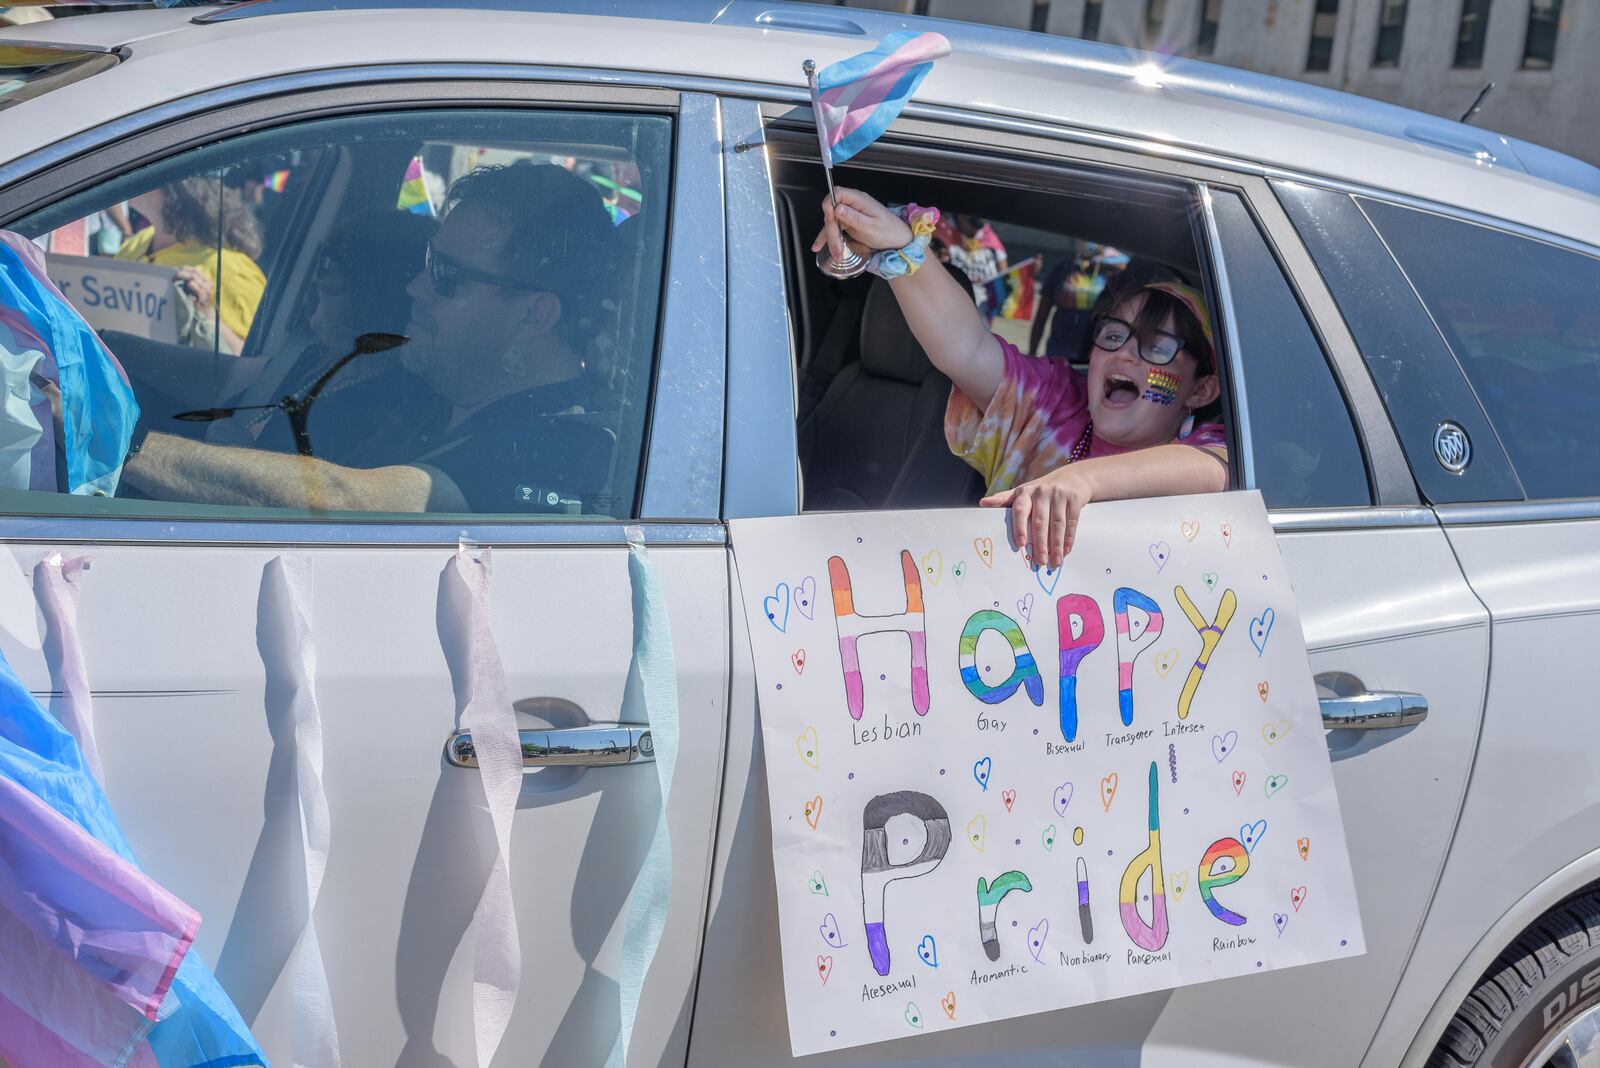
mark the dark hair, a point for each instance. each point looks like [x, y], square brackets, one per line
[1158, 304]
[197, 208]
[378, 253]
[559, 235]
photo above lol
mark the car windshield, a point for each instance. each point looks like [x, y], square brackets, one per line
[30, 70]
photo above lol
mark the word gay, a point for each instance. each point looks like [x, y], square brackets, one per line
[906, 834]
[1080, 629]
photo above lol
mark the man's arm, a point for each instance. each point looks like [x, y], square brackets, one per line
[177, 469]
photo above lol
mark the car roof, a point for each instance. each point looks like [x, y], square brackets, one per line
[1174, 104]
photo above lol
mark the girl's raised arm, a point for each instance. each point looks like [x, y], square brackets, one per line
[941, 316]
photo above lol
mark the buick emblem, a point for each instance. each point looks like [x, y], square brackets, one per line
[1452, 448]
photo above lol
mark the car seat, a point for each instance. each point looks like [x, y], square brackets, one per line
[876, 437]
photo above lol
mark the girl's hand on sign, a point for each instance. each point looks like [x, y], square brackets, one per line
[863, 219]
[1044, 513]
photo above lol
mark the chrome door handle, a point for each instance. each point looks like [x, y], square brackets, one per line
[1372, 711]
[597, 745]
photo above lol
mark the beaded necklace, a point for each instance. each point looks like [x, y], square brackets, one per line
[1080, 448]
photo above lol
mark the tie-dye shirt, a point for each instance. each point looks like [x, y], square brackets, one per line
[1035, 418]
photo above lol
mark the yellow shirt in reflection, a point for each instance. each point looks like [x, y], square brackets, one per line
[237, 294]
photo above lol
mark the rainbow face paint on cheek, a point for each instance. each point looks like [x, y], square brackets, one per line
[1162, 387]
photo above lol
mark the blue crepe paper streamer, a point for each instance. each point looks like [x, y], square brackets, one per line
[654, 679]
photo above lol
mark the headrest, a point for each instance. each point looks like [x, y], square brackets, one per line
[887, 348]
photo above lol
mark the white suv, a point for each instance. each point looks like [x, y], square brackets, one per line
[1410, 341]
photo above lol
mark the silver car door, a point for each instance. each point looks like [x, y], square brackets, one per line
[199, 764]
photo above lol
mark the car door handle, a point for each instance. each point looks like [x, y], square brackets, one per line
[1367, 711]
[594, 746]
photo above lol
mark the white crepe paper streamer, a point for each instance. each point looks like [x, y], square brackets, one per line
[658, 691]
[57, 581]
[488, 715]
[20, 429]
[316, 1039]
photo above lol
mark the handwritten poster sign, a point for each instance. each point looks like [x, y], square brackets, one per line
[112, 294]
[999, 790]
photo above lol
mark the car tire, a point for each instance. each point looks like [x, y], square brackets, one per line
[1546, 979]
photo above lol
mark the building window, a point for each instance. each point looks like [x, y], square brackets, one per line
[1324, 19]
[1091, 20]
[1391, 33]
[1472, 32]
[1155, 16]
[1539, 47]
[1210, 17]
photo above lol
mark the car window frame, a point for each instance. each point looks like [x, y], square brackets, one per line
[690, 354]
[1007, 146]
[1362, 200]
[1230, 327]
[1439, 391]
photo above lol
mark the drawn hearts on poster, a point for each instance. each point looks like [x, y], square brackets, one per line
[1023, 793]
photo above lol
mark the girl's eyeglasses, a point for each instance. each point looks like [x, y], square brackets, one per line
[1160, 349]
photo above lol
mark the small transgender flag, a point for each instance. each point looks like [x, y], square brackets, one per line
[857, 98]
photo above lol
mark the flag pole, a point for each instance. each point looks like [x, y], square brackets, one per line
[853, 263]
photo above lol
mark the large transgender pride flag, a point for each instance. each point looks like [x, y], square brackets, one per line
[859, 97]
[43, 338]
[97, 966]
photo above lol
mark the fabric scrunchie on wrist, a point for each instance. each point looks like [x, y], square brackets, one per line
[899, 262]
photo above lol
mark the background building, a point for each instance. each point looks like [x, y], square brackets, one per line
[1432, 55]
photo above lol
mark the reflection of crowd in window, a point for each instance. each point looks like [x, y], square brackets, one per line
[203, 227]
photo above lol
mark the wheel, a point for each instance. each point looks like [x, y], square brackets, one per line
[1538, 1006]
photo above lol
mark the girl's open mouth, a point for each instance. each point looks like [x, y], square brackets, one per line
[1120, 391]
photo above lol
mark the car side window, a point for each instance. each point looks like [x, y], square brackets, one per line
[1302, 439]
[1521, 318]
[447, 311]
[877, 426]
[1430, 403]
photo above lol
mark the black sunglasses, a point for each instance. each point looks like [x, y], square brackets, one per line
[444, 273]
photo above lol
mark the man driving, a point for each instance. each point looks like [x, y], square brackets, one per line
[501, 317]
